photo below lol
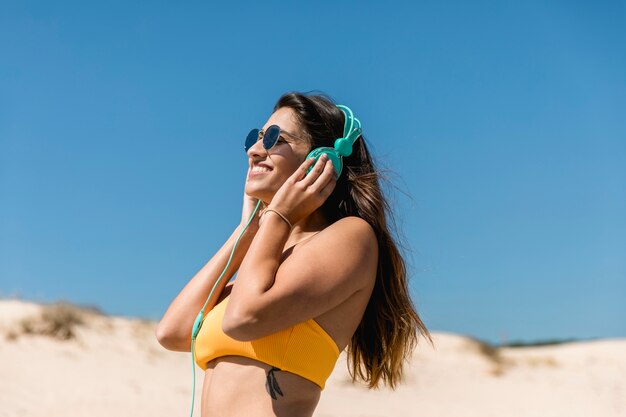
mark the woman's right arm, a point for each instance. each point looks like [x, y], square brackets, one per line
[174, 329]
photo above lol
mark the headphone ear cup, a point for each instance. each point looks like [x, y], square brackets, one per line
[332, 154]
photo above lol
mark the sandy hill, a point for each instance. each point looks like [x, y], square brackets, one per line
[62, 360]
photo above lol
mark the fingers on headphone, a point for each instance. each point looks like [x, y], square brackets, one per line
[326, 177]
[300, 173]
[321, 165]
[318, 169]
[329, 185]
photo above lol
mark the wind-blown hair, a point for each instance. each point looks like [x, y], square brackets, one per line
[388, 331]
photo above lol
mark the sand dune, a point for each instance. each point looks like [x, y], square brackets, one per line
[113, 366]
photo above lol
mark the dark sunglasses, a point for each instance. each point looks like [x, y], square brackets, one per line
[270, 137]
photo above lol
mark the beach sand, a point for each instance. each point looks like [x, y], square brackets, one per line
[113, 366]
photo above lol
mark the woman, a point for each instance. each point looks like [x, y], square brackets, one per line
[317, 271]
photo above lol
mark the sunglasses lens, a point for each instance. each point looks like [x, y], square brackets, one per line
[271, 136]
[253, 136]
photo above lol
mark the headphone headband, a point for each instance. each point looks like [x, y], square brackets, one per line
[343, 145]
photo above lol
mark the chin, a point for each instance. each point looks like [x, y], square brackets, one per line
[259, 193]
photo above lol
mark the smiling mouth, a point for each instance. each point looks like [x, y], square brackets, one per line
[260, 169]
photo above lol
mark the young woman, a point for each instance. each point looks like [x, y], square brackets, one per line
[317, 272]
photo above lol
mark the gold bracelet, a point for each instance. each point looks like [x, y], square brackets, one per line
[281, 216]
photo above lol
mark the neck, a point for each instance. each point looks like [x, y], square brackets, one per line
[307, 227]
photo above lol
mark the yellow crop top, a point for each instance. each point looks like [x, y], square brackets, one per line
[304, 349]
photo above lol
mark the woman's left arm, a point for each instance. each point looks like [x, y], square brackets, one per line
[269, 296]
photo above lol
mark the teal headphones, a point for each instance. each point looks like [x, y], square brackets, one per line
[343, 147]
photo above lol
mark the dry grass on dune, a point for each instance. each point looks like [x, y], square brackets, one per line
[501, 362]
[493, 354]
[58, 321]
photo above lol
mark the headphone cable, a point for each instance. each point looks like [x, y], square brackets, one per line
[200, 318]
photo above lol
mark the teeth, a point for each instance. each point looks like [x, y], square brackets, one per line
[260, 169]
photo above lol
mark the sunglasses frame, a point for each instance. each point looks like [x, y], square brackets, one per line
[270, 137]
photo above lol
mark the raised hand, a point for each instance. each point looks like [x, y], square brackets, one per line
[303, 193]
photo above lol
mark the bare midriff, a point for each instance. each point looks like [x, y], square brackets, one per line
[235, 386]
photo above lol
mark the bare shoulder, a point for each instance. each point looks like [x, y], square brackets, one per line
[349, 248]
[356, 231]
[346, 248]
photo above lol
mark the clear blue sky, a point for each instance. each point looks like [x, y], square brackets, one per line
[122, 126]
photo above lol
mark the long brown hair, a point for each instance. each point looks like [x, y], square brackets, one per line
[388, 331]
